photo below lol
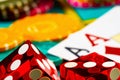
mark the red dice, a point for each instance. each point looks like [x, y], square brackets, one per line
[27, 63]
[90, 67]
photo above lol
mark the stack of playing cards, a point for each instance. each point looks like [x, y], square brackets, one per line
[96, 37]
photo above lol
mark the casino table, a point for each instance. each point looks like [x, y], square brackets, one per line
[87, 15]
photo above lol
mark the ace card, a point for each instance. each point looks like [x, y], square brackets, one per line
[96, 37]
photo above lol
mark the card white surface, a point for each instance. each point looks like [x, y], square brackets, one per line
[93, 38]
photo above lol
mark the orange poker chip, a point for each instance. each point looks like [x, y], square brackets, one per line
[9, 39]
[47, 26]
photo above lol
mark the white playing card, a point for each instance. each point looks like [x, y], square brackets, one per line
[92, 38]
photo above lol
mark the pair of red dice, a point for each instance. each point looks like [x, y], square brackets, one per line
[90, 67]
[27, 63]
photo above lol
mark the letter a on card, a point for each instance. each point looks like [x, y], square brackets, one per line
[93, 39]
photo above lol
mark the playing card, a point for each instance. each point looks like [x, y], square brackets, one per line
[117, 37]
[96, 37]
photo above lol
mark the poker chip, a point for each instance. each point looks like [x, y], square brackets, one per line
[92, 3]
[47, 26]
[42, 6]
[9, 39]
[14, 9]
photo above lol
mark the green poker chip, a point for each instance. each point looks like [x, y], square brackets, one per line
[44, 47]
[14, 9]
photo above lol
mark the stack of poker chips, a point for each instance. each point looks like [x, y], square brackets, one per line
[93, 3]
[41, 27]
[15, 9]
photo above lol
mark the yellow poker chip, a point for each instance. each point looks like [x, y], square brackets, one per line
[47, 26]
[9, 39]
[116, 38]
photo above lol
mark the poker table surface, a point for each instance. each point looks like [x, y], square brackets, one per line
[84, 14]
